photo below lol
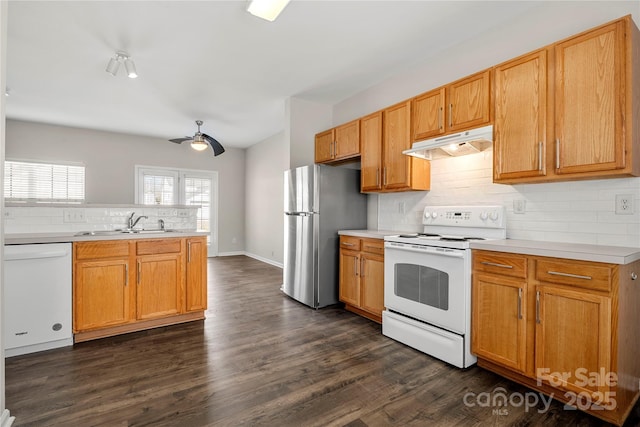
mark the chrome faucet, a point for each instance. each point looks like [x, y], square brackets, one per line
[131, 223]
[161, 222]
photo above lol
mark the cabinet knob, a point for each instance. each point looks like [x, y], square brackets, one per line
[634, 276]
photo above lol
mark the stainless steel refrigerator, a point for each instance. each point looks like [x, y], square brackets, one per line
[319, 200]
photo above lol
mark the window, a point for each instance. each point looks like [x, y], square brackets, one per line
[43, 182]
[159, 186]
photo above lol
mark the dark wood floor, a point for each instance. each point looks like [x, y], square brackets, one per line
[259, 358]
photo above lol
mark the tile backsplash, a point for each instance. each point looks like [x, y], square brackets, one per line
[75, 218]
[572, 211]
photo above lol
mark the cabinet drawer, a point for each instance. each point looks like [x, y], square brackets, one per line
[103, 249]
[374, 246]
[500, 263]
[587, 275]
[350, 242]
[164, 246]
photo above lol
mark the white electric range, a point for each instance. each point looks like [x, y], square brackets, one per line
[427, 280]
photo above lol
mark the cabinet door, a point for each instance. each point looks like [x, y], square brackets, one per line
[196, 283]
[520, 118]
[573, 339]
[498, 326]
[350, 278]
[396, 171]
[469, 102]
[324, 146]
[428, 114]
[371, 283]
[347, 140]
[590, 100]
[371, 155]
[159, 285]
[102, 294]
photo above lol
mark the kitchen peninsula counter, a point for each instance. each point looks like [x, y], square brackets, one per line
[575, 251]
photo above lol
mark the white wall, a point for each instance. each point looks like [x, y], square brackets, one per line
[110, 159]
[303, 120]
[580, 211]
[264, 219]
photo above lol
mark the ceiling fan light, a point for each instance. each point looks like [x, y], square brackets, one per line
[267, 9]
[131, 68]
[199, 144]
[112, 66]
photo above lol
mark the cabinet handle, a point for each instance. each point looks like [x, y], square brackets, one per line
[377, 177]
[188, 251]
[493, 264]
[126, 274]
[519, 303]
[372, 247]
[575, 276]
[347, 244]
[384, 176]
[557, 153]
[139, 272]
[335, 148]
[540, 156]
[362, 267]
[440, 118]
[537, 306]
[634, 276]
[450, 115]
[355, 265]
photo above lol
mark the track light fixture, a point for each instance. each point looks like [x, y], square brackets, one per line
[114, 64]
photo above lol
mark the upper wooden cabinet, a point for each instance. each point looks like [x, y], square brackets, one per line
[461, 105]
[571, 110]
[338, 144]
[371, 156]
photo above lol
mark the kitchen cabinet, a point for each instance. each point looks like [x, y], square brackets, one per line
[121, 286]
[563, 327]
[338, 144]
[362, 276]
[461, 105]
[196, 271]
[584, 124]
[159, 278]
[384, 136]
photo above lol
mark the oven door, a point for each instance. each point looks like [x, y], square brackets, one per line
[429, 284]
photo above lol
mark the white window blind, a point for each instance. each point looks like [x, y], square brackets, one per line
[43, 182]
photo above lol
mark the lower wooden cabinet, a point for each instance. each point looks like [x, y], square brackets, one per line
[362, 276]
[564, 327]
[126, 285]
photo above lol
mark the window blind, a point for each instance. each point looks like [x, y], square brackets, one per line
[43, 182]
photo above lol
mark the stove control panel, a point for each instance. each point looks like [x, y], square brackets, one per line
[465, 216]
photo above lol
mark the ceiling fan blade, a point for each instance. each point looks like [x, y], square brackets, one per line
[217, 147]
[180, 140]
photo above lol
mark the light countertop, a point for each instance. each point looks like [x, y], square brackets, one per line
[27, 238]
[371, 234]
[577, 251]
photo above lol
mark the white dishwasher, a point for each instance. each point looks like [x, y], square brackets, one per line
[37, 297]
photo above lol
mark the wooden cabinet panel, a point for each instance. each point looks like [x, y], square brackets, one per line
[159, 286]
[588, 275]
[347, 140]
[350, 243]
[158, 246]
[349, 277]
[469, 102]
[374, 246]
[101, 249]
[573, 331]
[500, 263]
[520, 117]
[589, 101]
[428, 114]
[371, 155]
[102, 294]
[397, 138]
[324, 146]
[196, 274]
[498, 320]
[372, 283]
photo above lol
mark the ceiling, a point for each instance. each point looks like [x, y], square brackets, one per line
[211, 60]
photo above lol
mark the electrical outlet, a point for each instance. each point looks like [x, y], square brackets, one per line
[183, 213]
[401, 207]
[519, 206]
[73, 215]
[624, 204]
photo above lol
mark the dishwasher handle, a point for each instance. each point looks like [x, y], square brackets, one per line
[36, 255]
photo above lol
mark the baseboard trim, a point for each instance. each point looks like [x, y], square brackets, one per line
[265, 260]
[235, 253]
[6, 419]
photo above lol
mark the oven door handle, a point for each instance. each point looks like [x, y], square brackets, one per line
[427, 250]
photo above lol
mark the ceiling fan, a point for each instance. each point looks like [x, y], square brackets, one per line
[200, 141]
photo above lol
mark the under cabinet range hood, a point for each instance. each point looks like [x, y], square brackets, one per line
[457, 144]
